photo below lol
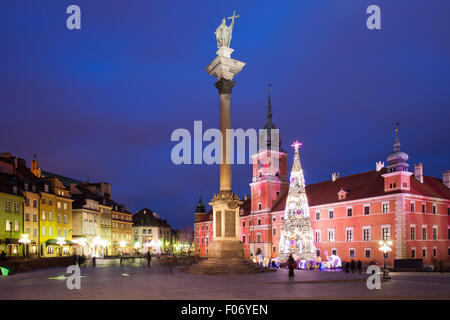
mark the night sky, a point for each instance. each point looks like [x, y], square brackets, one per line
[100, 103]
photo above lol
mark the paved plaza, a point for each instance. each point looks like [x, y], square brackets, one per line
[133, 280]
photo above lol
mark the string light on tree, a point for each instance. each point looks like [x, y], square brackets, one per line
[296, 233]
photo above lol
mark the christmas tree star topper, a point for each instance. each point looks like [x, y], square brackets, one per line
[296, 145]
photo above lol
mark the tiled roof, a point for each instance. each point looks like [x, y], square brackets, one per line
[146, 217]
[364, 185]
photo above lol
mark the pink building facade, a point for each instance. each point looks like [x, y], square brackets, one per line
[349, 215]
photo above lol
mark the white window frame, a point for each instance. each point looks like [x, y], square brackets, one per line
[370, 233]
[317, 232]
[435, 227]
[346, 211]
[364, 209]
[330, 211]
[383, 205]
[334, 249]
[412, 226]
[354, 252]
[346, 234]
[334, 235]
[384, 226]
[426, 253]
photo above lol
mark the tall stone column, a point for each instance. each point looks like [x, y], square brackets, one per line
[224, 87]
[226, 243]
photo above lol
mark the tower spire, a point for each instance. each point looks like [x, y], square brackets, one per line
[269, 108]
[397, 141]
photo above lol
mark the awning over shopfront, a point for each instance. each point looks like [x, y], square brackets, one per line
[54, 242]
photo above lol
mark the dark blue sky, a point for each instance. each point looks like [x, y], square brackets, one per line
[100, 103]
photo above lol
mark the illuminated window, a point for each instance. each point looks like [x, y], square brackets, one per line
[385, 207]
[366, 233]
[8, 225]
[8, 206]
[386, 233]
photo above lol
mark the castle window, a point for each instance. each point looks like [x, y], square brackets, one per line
[413, 253]
[424, 233]
[334, 252]
[259, 222]
[367, 253]
[349, 234]
[317, 215]
[413, 233]
[330, 235]
[424, 252]
[352, 253]
[366, 209]
[423, 207]
[331, 214]
[243, 238]
[386, 233]
[435, 233]
[412, 206]
[349, 212]
[318, 252]
[259, 206]
[434, 208]
[434, 252]
[274, 231]
[385, 207]
[317, 236]
[366, 233]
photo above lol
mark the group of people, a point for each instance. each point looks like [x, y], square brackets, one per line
[352, 265]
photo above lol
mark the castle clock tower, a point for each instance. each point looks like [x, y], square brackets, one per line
[269, 167]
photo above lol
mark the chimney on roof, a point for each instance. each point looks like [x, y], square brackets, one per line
[446, 178]
[418, 172]
[334, 176]
[379, 165]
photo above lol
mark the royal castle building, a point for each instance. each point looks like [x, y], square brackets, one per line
[349, 215]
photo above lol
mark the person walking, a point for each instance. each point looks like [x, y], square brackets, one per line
[353, 265]
[93, 261]
[291, 262]
[3, 256]
[149, 259]
[359, 264]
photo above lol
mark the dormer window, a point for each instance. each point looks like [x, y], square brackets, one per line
[342, 194]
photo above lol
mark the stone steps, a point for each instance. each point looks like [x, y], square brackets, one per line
[231, 266]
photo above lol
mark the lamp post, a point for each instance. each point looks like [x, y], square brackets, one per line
[10, 238]
[385, 248]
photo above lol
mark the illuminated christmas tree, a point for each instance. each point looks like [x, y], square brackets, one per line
[296, 233]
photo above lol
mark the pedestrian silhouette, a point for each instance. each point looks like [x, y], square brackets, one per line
[291, 263]
[353, 265]
[149, 259]
[359, 266]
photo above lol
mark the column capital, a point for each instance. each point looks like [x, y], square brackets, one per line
[224, 86]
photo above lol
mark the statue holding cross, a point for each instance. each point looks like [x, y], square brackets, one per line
[223, 32]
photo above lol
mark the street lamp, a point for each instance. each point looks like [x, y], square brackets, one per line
[385, 248]
[25, 241]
